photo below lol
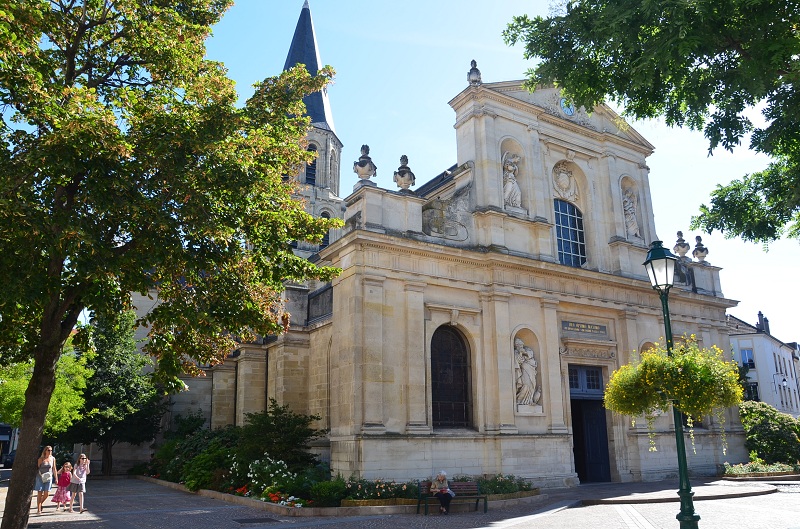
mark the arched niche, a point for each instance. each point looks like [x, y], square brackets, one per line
[631, 201]
[526, 356]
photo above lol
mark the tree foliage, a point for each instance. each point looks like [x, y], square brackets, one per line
[68, 395]
[121, 402]
[701, 64]
[127, 166]
[773, 435]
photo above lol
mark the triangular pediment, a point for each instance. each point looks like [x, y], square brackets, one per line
[548, 103]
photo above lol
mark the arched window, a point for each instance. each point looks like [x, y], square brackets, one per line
[326, 238]
[569, 234]
[451, 406]
[311, 168]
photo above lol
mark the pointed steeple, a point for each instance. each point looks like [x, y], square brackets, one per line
[304, 50]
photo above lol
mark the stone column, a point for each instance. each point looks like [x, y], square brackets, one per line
[372, 367]
[223, 395]
[416, 360]
[553, 394]
[251, 384]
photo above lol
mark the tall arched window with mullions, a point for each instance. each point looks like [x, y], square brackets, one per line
[569, 234]
[450, 376]
[311, 168]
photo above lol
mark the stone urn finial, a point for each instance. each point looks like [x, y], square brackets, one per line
[474, 75]
[681, 246]
[700, 252]
[364, 167]
[403, 177]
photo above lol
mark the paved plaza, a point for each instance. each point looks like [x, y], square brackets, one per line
[136, 504]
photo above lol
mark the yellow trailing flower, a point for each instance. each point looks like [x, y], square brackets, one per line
[695, 380]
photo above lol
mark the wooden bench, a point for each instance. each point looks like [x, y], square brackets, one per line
[465, 490]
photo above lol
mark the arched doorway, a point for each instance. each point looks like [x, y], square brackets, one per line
[450, 377]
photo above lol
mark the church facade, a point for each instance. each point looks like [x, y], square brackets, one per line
[478, 316]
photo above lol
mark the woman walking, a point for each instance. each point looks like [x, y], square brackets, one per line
[46, 465]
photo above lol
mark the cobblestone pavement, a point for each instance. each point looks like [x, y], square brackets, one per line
[135, 504]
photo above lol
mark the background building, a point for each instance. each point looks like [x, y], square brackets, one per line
[772, 364]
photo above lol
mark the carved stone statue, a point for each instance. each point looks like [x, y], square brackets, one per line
[564, 183]
[700, 252]
[681, 247]
[364, 167]
[474, 75]
[528, 393]
[512, 196]
[403, 177]
[629, 200]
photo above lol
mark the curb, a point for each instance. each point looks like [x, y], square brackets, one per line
[327, 511]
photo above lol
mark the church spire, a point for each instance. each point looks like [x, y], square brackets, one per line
[304, 50]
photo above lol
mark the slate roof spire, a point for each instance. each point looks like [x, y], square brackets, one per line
[304, 50]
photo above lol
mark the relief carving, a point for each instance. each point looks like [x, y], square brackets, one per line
[564, 183]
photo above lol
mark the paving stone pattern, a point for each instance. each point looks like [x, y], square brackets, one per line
[135, 504]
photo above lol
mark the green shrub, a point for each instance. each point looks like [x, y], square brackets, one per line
[208, 468]
[139, 469]
[757, 466]
[501, 484]
[281, 434]
[365, 489]
[772, 435]
[328, 493]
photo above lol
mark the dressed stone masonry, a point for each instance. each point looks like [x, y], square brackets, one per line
[475, 323]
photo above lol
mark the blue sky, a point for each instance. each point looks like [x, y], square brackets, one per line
[399, 63]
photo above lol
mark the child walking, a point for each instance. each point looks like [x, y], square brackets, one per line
[62, 495]
[77, 485]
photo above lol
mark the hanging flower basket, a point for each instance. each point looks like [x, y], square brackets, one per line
[695, 380]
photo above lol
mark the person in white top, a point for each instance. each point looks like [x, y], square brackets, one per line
[77, 485]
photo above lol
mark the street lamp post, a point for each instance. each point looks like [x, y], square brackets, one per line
[660, 266]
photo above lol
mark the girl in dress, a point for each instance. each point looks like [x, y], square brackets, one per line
[77, 485]
[62, 495]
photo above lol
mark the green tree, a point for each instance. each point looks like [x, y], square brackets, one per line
[122, 404]
[701, 64]
[68, 394]
[127, 166]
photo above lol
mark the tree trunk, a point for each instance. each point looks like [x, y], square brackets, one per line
[107, 456]
[34, 411]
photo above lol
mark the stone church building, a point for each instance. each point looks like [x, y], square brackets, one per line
[479, 315]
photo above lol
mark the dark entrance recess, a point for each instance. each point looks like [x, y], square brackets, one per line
[450, 397]
[589, 430]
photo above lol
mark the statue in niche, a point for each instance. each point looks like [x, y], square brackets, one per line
[528, 393]
[629, 208]
[564, 183]
[512, 196]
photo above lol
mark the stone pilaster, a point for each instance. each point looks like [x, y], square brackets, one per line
[372, 366]
[251, 381]
[553, 393]
[416, 361]
[223, 395]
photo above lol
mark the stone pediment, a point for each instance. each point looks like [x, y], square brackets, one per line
[553, 108]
